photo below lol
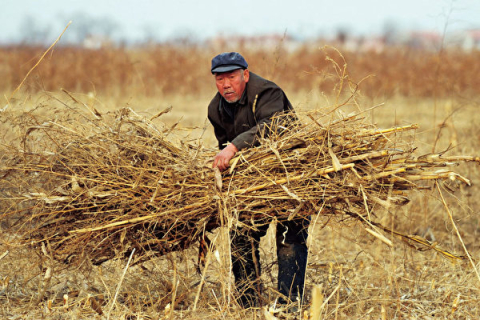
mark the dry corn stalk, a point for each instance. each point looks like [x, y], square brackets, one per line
[101, 187]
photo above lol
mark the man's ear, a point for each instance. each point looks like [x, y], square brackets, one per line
[246, 75]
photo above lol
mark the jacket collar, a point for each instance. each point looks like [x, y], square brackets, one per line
[243, 98]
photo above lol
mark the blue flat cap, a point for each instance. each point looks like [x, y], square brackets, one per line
[228, 61]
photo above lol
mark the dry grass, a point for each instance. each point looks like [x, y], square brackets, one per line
[362, 277]
[165, 70]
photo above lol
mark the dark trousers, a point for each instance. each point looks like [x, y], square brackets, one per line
[291, 237]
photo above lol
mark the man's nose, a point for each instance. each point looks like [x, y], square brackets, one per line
[226, 83]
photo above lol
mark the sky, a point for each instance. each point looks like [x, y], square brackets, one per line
[138, 20]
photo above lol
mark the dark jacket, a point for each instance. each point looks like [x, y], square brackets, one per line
[242, 129]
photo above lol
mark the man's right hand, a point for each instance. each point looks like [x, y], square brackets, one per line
[222, 159]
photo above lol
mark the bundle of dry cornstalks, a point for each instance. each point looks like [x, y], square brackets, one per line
[95, 186]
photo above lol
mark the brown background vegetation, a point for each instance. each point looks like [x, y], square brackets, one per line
[167, 70]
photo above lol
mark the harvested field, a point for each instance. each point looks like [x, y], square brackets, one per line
[93, 184]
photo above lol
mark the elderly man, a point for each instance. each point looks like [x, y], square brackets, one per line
[245, 102]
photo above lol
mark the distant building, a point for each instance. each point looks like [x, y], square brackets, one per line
[372, 44]
[96, 41]
[471, 40]
[258, 42]
[425, 40]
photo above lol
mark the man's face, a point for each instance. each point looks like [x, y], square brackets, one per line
[231, 84]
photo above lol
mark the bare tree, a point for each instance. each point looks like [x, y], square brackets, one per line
[85, 25]
[33, 32]
[390, 32]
